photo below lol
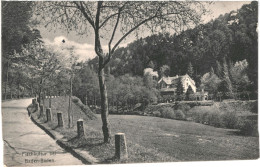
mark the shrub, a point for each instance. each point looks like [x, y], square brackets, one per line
[157, 113]
[167, 112]
[203, 114]
[197, 116]
[229, 119]
[254, 109]
[183, 107]
[179, 115]
[214, 118]
[248, 127]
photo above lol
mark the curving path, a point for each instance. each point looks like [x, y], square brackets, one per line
[25, 144]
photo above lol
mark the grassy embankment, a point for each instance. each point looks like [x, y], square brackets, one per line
[152, 139]
[242, 115]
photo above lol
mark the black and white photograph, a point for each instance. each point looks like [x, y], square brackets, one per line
[129, 82]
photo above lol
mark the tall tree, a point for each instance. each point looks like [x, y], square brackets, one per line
[211, 71]
[40, 64]
[210, 82]
[17, 30]
[164, 71]
[179, 90]
[190, 71]
[218, 69]
[106, 19]
[225, 69]
[189, 93]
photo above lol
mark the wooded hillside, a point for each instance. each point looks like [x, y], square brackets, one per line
[228, 39]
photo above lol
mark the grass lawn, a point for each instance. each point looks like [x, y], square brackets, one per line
[181, 140]
[153, 139]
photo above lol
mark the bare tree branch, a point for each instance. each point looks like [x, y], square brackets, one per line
[109, 17]
[82, 9]
[111, 39]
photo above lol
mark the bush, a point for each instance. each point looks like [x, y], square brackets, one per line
[254, 109]
[183, 107]
[248, 127]
[167, 112]
[157, 113]
[204, 114]
[179, 115]
[197, 116]
[214, 119]
[229, 119]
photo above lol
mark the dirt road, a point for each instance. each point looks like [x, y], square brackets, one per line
[25, 144]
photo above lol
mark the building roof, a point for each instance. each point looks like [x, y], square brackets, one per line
[174, 80]
[168, 80]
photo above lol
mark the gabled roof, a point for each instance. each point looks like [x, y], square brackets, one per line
[167, 80]
[187, 76]
[174, 80]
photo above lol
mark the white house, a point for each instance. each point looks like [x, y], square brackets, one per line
[168, 85]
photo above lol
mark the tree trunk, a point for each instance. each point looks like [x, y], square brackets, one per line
[43, 98]
[40, 91]
[117, 106]
[101, 78]
[69, 109]
[11, 93]
[49, 99]
[104, 106]
[18, 90]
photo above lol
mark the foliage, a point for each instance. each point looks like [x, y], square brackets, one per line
[239, 77]
[225, 87]
[218, 69]
[112, 17]
[180, 89]
[248, 127]
[205, 46]
[164, 71]
[86, 88]
[189, 93]
[17, 31]
[215, 117]
[190, 71]
[230, 119]
[179, 115]
[149, 82]
[167, 112]
[210, 82]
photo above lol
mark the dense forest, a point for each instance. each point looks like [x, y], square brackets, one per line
[228, 39]
[221, 56]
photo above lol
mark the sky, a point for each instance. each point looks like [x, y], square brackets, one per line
[84, 45]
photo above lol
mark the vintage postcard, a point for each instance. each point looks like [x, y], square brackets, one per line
[129, 82]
